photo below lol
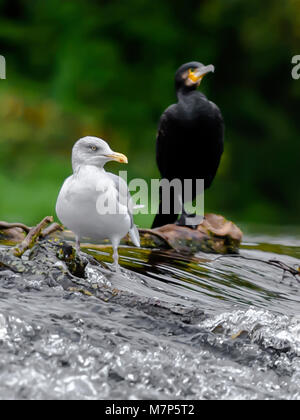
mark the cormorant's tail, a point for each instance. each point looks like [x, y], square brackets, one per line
[135, 236]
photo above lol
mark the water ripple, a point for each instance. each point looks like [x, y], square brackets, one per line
[239, 339]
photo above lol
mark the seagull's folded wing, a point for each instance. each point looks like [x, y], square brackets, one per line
[124, 198]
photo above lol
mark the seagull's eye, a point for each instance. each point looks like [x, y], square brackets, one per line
[94, 148]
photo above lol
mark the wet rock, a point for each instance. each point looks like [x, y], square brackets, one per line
[241, 335]
[42, 260]
[53, 263]
[12, 235]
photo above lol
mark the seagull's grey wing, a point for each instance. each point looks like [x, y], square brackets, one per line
[125, 197]
[123, 193]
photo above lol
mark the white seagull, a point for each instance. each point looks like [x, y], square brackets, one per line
[93, 203]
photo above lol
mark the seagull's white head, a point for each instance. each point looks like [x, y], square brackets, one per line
[94, 151]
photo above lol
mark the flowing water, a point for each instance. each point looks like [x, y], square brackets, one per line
[241, 339]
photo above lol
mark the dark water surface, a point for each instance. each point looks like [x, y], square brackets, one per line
[243, 342]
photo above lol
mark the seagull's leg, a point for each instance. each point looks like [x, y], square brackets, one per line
[80, 254]
[115, 244]
[78, 245]
[116, 258]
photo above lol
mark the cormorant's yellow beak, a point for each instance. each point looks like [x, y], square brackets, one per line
[198, 74]
[118, 157]
[194, 77]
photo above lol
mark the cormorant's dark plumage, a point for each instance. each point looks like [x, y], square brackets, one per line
[190, 135]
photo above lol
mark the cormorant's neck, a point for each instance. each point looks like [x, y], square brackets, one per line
[183, 94]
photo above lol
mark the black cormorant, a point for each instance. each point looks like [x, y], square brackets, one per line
[190, 137]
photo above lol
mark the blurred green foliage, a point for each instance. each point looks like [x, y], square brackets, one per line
[106, 68]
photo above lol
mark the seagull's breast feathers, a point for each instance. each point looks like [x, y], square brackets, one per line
[83, 197]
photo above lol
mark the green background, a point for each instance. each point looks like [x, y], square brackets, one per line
[106, 68]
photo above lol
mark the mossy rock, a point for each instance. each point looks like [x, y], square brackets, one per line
[214, 235]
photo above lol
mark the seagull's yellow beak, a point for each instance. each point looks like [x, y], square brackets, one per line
[118, 157]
